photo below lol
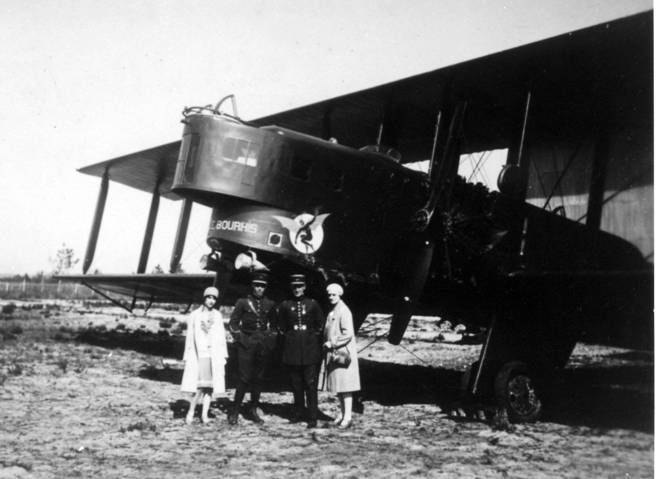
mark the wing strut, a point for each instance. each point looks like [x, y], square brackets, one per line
[513, 179]
[150, 227]
[97, 220]
[521, 159]
[180, 235]
[433, 158]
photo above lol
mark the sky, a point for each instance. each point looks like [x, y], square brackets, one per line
[87, 80]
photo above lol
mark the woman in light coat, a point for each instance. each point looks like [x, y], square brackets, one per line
[204, 355]
[339, 333]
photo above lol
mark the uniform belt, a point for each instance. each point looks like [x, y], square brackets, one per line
[300, 327]
[252, 331]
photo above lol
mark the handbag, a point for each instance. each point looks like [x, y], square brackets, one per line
[340, 357]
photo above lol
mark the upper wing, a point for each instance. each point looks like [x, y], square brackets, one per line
[144, 170]
[494, 87]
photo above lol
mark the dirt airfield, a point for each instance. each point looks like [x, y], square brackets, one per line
[85, 393]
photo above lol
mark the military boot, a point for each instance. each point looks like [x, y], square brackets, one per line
[233, 415]
[297, 415]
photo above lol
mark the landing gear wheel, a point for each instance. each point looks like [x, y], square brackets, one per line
[515, 391]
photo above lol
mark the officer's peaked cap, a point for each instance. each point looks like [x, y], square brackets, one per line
[297, 279]
[261, 278]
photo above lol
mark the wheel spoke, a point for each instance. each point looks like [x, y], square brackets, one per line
[521, 395]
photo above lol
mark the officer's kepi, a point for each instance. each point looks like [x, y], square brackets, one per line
[260, 278]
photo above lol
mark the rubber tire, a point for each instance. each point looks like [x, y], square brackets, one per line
[514, 389]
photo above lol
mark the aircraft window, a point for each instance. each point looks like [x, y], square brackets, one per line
[483, 167]
[240, 151]
[300, 168]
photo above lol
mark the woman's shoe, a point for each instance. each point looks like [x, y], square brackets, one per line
[345, 424]
[338, 421]
[189, 419]
[206, 420]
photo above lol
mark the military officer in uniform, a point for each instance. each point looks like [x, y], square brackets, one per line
[253, 321]
[301, 321]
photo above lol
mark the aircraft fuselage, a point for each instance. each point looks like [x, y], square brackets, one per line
[297, 198]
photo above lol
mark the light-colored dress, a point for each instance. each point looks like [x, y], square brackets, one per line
[205, 352]
[339, 331]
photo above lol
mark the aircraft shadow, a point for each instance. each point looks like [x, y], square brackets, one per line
[597, 397]
[605, 398]
[162, 344]
[170, 346]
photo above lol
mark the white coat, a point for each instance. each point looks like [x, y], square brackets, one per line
[218, 351]
[339, 331]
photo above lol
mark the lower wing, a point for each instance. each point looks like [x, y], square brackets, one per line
[154, 288]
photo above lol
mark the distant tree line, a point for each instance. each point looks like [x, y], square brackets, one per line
[62, 263]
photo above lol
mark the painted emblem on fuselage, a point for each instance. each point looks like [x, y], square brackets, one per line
[305, 231]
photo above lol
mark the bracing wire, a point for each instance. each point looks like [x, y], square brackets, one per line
[420, 359]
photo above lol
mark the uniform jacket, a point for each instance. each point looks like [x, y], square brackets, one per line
[253, 315]
[301, 320]
[218, 350]
[339, 331]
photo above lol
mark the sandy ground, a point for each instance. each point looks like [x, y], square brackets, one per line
[85, 393]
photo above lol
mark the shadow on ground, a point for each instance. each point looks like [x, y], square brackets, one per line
[600, 397]
[161, 343]
[605, 397]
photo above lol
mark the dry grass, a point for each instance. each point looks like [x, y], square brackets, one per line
[83, 397]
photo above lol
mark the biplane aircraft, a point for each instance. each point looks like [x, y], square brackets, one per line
[513, 191]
